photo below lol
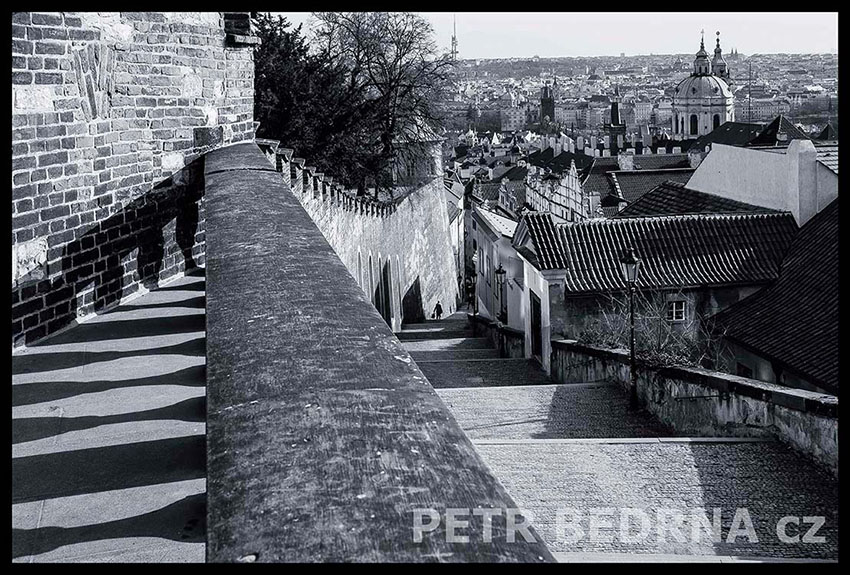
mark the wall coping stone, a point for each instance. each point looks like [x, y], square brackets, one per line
[797, 399]
[322, 433]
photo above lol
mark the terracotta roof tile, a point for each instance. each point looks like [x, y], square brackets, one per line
[795, 320]
[675, 198]
[677, 251]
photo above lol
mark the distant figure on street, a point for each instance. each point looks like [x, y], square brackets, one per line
[438, 310]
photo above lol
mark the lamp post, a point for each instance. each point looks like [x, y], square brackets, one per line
[630, 265]
[500, 282]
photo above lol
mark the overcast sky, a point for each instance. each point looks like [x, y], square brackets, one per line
[546, 34]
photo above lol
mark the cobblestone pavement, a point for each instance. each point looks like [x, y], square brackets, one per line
[108, 446]
[577, 447]
[548, 411]
[766, 479]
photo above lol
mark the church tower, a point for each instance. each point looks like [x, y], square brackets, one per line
[703, 100]
[718, 63]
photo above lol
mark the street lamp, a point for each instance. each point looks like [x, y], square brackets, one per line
[630, 265]
[500, 281]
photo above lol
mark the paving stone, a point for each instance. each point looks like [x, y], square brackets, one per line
[549, 411]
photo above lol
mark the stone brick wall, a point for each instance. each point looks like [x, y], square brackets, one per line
[706, 403]
[110, 115]
[407, 243]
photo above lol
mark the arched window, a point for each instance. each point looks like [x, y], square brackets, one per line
[694, 124]
[716, 121]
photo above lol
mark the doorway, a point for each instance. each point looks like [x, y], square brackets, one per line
[536, 327]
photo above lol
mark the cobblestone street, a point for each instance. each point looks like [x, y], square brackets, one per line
[574, 447]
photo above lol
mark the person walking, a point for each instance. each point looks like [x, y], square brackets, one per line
[438, 310]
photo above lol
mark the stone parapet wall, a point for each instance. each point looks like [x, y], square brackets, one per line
[709, 403]
[407, 240]
[509, 341]
[110, 113]
[323, 435]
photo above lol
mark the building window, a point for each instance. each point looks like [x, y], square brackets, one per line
[743, 370]
[474, 245]
[676, 311]
[694, 125]
[716, 121]
[474, 226]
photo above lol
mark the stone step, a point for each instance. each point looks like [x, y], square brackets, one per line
[691, 479]
[484, 373]
[433, 333]
[448, 355]
[447, 344]
[548, 412]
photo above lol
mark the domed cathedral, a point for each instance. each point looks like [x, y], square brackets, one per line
[703, 101]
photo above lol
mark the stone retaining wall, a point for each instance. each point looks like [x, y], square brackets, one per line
[709, 403]
[509, 341]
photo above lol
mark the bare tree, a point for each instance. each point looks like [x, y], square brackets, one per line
[695, 341]
[395, 82]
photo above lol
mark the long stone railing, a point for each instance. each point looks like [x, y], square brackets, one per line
[323, 437]
[704, 402]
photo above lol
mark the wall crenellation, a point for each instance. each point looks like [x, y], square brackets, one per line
[398, 250]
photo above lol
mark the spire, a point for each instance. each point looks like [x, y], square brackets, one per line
[454, 38]
[717, 49]
[702, 66]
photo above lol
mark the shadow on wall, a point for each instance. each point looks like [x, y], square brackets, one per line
[381, 298]
[411, 304]
[136, 240]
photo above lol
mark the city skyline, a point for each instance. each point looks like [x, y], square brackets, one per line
[481, 35]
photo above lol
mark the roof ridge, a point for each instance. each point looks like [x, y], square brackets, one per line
[693, 215]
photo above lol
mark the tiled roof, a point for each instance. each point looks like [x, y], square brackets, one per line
[540, 157]
[828, 155]
[562, 161]
[515, 173]
[779, 132]
[487, 191]
[675, 198]
[453, 211]
[828, 133]
[677, 251]
[795, 320]
[547, 241]
[729, 133]
[632, 184]
[597, 180]
[497, 222]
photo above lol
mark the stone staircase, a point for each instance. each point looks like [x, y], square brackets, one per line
[579, 446]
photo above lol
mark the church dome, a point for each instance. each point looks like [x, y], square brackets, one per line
[702, 88]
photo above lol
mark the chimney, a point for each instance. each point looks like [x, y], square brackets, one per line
[694, 158]
[593, 142]
[606, 153]
[558, 148]
[596, 153]
[803, 156]
[607, 141]
[580, 142]
[626, 160]
[676, 150]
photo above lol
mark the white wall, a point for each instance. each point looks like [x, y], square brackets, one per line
[785, 181]
[535, 282]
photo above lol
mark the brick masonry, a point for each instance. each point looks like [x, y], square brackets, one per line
[111, 113]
